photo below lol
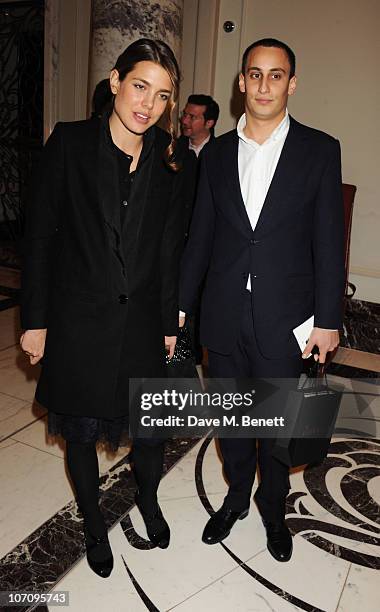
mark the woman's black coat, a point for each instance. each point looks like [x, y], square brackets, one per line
[107, 294]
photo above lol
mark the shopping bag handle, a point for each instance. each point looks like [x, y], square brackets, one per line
[317, 370]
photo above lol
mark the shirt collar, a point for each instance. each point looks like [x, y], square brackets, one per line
[278, 133]
[148, 138]
[198, 148]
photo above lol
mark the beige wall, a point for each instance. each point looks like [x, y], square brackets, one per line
[199, 39]
[337, 45]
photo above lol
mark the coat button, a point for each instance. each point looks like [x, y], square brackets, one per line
[123, 299]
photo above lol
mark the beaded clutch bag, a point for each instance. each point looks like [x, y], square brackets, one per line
[183, 349]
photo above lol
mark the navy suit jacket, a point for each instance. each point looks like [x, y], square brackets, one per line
[295, 254]
[190, 179]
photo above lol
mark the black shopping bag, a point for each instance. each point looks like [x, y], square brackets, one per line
[310, 415]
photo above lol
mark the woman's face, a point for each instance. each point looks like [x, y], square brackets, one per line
[142, 96]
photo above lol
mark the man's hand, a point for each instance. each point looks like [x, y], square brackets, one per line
[325, 339]
[170, 342]
[32, 343]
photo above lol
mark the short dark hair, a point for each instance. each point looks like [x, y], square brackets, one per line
[212, 107]
[271, 42]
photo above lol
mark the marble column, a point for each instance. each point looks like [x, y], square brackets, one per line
[51, 66]
[66, 61]
[116, 24]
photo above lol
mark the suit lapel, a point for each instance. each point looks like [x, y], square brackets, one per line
[288, 167]
[231, 172]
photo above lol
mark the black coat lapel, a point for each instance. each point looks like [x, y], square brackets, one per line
[231, 173]
[108, 190]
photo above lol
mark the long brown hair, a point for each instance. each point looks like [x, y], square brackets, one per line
[149, 50]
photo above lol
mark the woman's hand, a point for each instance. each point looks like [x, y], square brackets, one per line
[170, 342]
[32, 343]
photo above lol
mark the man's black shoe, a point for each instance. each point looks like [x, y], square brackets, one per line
[279, 541]
[220, 524]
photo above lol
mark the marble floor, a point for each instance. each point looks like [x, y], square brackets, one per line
[333, 511]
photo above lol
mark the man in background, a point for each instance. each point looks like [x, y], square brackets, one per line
[198, 121]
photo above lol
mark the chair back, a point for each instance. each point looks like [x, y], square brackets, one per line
[348, 201]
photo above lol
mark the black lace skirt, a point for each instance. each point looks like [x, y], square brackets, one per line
[113, 432]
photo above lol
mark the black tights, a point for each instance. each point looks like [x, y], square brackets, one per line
[148, 460]
[82, 463]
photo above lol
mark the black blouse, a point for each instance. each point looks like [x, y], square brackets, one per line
[125, 181]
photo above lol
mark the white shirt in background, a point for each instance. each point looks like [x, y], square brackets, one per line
[198, 148]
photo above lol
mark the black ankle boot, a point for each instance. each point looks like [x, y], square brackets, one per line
[99, 553]
[157, 528]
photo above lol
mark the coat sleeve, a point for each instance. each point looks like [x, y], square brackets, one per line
[328, 245]
[41, 233]
[171, 250]
[196, 257]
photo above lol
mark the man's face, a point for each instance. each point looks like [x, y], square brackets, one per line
[266, 83]
[193, 123]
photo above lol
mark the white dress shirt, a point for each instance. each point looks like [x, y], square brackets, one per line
[257, 164]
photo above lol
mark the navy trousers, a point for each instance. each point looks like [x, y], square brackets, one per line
[240, 456]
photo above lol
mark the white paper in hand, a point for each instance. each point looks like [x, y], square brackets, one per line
[302, 333]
